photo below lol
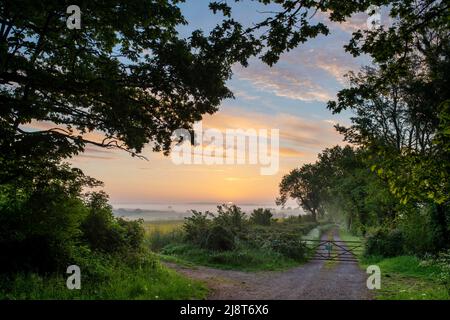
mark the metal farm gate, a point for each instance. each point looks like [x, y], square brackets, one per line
[334, 250]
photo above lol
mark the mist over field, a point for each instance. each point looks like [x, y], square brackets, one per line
[178, 211]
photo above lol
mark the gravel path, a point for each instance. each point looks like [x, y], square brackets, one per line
[313, 280]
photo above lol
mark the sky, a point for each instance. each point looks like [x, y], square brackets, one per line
[290, 96]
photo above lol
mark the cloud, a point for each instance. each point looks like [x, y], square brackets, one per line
[87, 156]
[303, 74]
[244, 95]
[93, 152]
[290, 152]
[354, 23]
[284, 83]
[295, 131]
[90, 151]
[332, 59]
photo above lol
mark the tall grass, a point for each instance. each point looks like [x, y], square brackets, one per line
[149, 281]
[163, 226]
[162, 233]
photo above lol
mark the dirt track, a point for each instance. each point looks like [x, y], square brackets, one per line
[313, 280]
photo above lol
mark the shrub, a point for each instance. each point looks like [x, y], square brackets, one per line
[289, 246]
[108, 234]
[307, 218]
[39, 228]
[418, 232]
[385, 243]
[104, 277]
[261, 216]
[216, 232]
[241, 257]
[197, 227]
[292, 219]
[220, 239]
[231, 218]
[46, 222]
[443, 262]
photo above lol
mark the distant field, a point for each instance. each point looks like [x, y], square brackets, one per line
[162, 227]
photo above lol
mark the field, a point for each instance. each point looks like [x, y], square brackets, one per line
[163, 226]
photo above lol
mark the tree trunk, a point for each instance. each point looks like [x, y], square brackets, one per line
[314, 215]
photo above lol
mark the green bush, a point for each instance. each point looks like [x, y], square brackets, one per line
[231, 218]
[197, 227]
[220, 239]
[418, 232]
[44, 227]
[216, 232]
[387, 243]
[105, 277]
[242, 257]
[224, 237]
[443, 263]
[283, 238]
[261, 216]
[39, 227]
[105, 233]
[289, 246]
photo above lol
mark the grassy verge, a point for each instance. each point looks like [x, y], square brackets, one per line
[121, 282]
[403, 277]
[345, 235]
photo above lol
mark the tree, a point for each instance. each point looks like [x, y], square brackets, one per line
[304, 185]
[341, 185]
[261, 216]
[126, 73]
[399, 101]
[400, 107]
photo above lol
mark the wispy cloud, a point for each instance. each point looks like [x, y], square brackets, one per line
[336, 63]
[92, 152]
[296, 131]
[284, 83]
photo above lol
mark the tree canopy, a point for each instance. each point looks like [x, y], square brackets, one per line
[129, 75]
[399, 128]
